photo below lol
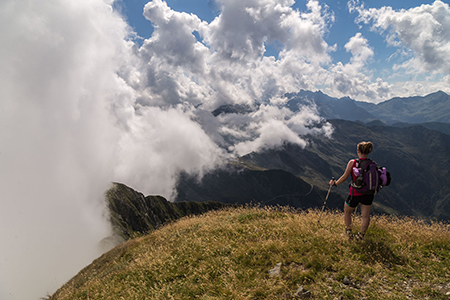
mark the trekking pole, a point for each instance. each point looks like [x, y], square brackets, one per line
[325, 203]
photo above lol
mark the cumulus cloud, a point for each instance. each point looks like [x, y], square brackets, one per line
[425, 30]
[354, 79]
[360, 50]
[243, 28]
[223, 62]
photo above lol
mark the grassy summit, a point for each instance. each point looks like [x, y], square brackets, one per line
[228, 254]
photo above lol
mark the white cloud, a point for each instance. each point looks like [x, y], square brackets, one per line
[361, 52]
[271, 127]
[354, 79]
[424, 29]
[57, 84]
[240, 32]
[271, 134]
[160, 144]
[227, 64]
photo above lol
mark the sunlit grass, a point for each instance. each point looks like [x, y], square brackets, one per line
[228, 254]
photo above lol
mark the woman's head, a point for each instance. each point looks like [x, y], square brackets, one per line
[365, 148]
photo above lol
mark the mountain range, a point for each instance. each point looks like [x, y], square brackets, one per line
[416, 157]
[416, 154]
[434, 107]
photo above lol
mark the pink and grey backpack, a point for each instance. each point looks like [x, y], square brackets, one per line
[369, 177]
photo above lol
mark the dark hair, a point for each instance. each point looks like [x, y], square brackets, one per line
[365, 147]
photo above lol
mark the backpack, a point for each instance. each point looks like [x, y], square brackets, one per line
[369, 177]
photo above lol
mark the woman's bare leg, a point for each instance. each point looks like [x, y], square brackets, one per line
[365, 215]
[348, 215]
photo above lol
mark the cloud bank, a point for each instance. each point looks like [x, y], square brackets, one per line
[58, 84]
[83, 105]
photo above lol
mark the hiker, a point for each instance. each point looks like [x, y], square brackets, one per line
[354, 197]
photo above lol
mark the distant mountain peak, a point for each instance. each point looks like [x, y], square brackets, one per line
[232, 109]
[440, 92]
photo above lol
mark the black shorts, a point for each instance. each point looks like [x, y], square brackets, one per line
[353, 201]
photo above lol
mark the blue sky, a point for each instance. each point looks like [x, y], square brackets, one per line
[340, 31]
[384, 63]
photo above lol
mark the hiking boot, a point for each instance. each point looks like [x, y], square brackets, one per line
[349, 233]
[359, 236]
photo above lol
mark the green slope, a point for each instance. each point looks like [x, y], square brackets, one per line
[228, 255]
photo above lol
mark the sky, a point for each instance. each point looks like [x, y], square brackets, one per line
[370, 50]
[97, 91]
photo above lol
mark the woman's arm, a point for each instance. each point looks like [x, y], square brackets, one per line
[344, 176]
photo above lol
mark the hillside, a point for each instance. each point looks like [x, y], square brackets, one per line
[241, 184]
[434, 107]
[253, 253]
[441, 127]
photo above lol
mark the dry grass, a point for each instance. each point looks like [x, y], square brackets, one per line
[228, 254]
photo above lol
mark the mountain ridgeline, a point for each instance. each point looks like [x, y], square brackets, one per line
[434, 107]
[131, 213]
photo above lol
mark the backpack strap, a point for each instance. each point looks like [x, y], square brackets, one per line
[363, 162]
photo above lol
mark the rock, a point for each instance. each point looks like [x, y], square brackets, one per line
[347, 281]
[276, 271]
[301, 293]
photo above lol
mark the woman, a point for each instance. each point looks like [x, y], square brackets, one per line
[354, 197]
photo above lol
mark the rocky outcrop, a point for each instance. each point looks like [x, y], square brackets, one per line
[132, 213]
